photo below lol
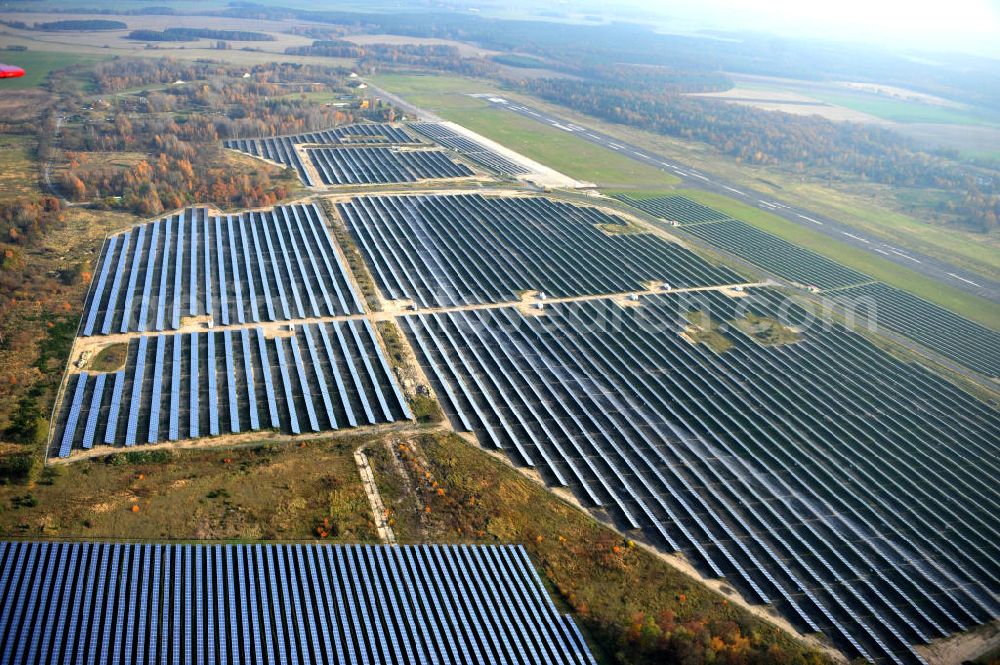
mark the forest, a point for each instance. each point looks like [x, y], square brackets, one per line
[754, 136]
[654, 99]
[193, 34]
[178, 133]
[89, 25]
[370, 56]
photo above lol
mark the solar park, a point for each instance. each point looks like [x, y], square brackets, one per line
[378, 166]
[800, 473]
[282, 149]
[241, 604]
[946, 333]
[242, 272]
[469, 148]
[821, 475]
[955, 337]
[429, 249]
[270, 265]
[675, 208]
[188, 385]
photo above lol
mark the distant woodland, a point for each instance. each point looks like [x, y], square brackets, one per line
[179, 129]
[192, 34]
[654, 99]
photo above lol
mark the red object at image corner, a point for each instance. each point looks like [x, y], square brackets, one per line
[9, 71]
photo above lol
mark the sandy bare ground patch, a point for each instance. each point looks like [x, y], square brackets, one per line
[962, 647]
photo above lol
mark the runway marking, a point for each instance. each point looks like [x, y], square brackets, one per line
[905, 256]
[967, 281]
[881, 251]
[858, 238]
[810, 219]
[735, 191]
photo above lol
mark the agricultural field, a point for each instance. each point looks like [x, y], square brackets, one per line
[629, 422]
[419, 249]
[37, 66]
[18, 178]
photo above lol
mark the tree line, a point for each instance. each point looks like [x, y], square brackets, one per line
[192, 34]
[755, 136]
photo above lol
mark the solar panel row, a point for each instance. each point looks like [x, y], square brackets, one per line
[776, 255]
[282, 149]
[674, 208]
[370, 166]
[823, 476]
[237, 604]
[237, 265]
[431, 249]
[177, 382]
[940, 330]
[469, 148]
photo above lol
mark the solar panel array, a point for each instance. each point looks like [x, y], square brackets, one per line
[281, 149]
[776, 255]
[463, 249]
[469, 148]
[323, 376]
[824, 476]
[674, 208]
[273, 265]
[369, 166]
[242, 604]
[955, 337]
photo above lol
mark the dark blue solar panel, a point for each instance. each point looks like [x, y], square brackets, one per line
[272, 403]
[74, 416]
[161, 296]
[133, 277]
[293, 342]
[94, 412]
[109, 313]
[220, 263]
[234, 410]
[279, 348]
[115, 410]
[154, 403]
[248, 368]
[95, 301]
[193, 431]
[136, 400]
[175, 389]
[175, 317]
[147, 286]
[213, 390]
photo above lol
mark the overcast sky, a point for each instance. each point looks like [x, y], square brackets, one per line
[967, 25]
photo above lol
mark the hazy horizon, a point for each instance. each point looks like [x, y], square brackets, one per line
[966, 26]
